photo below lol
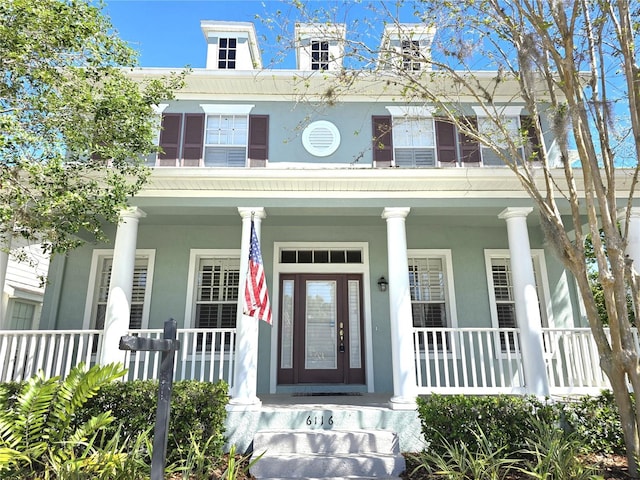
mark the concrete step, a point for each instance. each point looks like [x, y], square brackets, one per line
[326, 441]
[334, 478]
[325, 454]
[324, 465]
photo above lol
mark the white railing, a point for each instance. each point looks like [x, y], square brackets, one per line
[573, 363]
[448, 360]
[205, 354]
[468, 360]
[25, 352]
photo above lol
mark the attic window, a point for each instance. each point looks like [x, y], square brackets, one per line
[227, 53]
[321, 138]
[319, 55]
[411, 55]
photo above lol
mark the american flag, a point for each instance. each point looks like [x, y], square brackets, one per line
[256, 296]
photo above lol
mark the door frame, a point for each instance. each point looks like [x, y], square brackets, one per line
[333, 268]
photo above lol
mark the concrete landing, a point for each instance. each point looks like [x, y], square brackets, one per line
[283, 413]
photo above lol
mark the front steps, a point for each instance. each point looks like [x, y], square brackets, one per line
[327, 454]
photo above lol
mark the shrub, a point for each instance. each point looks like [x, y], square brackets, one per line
[596, 423]
[197, 413]
[504, 420]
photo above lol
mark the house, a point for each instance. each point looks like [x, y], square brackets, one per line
[23, 269]
[401, 257]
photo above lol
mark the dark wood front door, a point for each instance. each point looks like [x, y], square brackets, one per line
[321, 331]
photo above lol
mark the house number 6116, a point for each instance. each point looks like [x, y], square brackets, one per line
[319, 420]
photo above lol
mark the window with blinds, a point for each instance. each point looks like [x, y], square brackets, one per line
[217, 292]
[502, 296]
[225, 140]
[414, 142]
[427, 284]
[137, 296]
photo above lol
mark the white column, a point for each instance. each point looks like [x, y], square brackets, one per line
[400, 315]
[116, 322]
[5, 248]
[245, 379]
[633, 238]
[526, 301]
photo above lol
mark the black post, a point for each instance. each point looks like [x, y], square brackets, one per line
[168, 346]
[165, 388]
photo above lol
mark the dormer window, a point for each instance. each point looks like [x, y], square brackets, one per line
[319, 46]
[411, 55]
[407, 47]
[231, 45]
[227, 54]
[319, 55]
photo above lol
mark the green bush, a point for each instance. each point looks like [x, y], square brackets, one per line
[40, 432]
[596, 423]
[593, 421]
[504, 420]
[197, 413]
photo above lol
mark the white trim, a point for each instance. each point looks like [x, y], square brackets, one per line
[159, 108]
[411, 110]
[358, 268]
[195, 254]
[498, 111]
[540, 271]
[97, 256]
[450, 294]
[226, 109]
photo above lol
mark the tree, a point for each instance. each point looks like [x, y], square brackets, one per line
[74, 126]
[572, 66]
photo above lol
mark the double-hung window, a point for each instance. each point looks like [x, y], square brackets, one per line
[511, 129]
[225, 140]
[216, 296]
[222, 136]
[501, 294]
[412, 137]
[414, 142]
[212, 302]
[98, 292]
[431, 288]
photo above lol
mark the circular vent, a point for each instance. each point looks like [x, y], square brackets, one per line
[321, 138]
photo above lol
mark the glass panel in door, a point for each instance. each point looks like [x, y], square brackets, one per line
[321, 352]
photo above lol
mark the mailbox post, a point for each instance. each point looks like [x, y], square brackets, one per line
[168, 345]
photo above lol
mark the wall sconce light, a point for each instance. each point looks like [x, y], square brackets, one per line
[382, 284]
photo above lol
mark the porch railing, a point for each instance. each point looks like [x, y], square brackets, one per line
[488, 360]
[448, 360]
[468, 360]
[205, 354]
[25, 352]
[573, 363]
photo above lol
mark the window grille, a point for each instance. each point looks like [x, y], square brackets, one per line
[227, 53]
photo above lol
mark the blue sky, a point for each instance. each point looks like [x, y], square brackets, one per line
[167, 33]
